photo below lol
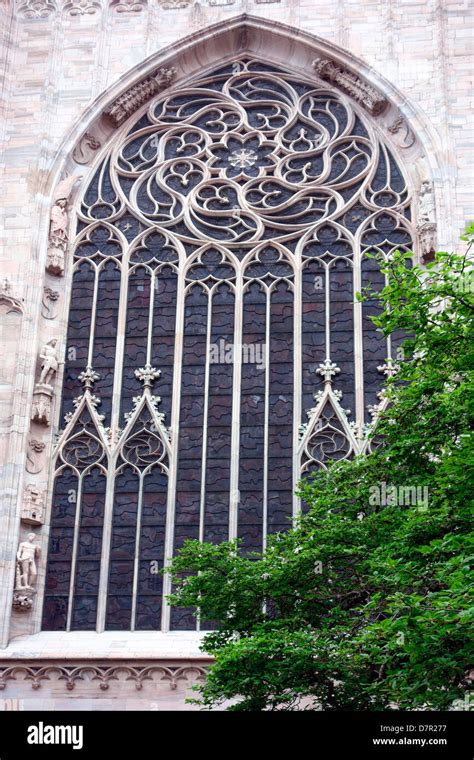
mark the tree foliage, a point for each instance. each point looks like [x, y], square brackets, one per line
[363, 605]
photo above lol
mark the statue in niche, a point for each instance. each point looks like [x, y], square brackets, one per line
[426, 206]
[43, 391]
[26, 570]
[426, 222]
[49, 366]
[58, 227]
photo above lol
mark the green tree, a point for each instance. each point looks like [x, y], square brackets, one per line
[364, 605]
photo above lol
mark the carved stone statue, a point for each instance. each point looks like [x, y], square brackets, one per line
[58, 232]
[26, 570]
[49, 366]
[426, 222]
[426, 205]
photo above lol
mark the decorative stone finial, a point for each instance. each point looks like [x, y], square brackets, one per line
[328, 370]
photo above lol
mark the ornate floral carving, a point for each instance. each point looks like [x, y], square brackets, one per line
[147, 375]
[139, 94]
[36, 9]
[88, 377]
[85, 148]
[328, 370]
[362, 92]
[32, 508]
[101, 675]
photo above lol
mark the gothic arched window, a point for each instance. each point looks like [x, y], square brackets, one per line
[215, 352]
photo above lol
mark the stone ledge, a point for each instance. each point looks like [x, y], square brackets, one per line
[93, 675]
[109, 645]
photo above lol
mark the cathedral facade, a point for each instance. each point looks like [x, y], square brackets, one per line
[191, 191]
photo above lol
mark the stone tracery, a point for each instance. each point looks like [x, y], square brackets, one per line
[237, 208]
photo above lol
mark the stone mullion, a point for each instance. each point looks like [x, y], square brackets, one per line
[136, 559]
[114, 425]
[77, 525]
[268, 292]
[207, 372]
[234, 499]
[174, 443]
[90, 353]
[202, 498]
[297, 372]
[358, 342]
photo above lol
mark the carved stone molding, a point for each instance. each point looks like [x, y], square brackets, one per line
[128, 6]
[32, 508]
[85, 148]
[100, 676]
[41, 407]
[171, 4]
[36, 9]
[347, 81]
[138, 95]
[8, 299]
[81, 7]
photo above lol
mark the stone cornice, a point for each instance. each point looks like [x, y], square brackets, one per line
[100, 675]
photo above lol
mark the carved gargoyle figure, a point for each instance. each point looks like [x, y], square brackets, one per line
[26, 570]
[58, 232]
[49, 366]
